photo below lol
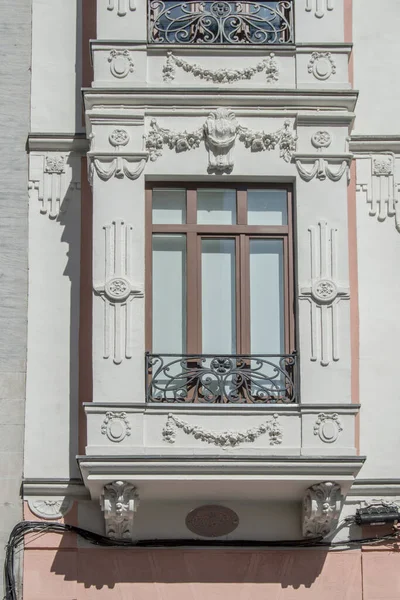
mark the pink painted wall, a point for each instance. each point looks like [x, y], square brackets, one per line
[169, 574]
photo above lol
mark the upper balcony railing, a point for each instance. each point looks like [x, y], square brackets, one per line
[223, 22]
[221, 379]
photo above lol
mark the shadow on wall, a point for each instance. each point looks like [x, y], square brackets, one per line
[108, 568]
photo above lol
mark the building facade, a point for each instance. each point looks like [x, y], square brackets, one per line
[213, 229]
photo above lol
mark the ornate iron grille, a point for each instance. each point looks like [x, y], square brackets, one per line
[223, 22]
[222, 379]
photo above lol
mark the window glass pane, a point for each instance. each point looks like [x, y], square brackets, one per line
[216, 207]
[218, 296]
[169, 293]
[169, 206]
[267, 207]
[266, 297]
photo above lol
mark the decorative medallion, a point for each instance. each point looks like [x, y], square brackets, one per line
[212, 521]
[324, 290]
[322, 65]
[321, 139]
[50, 509]
[117, 289]
[121, 63]
[116, 426]
[118, 137]
[328, 427]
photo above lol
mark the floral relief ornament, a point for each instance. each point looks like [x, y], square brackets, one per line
[50, 508]
[220, 133]
[118, 137]
[55, 165]
[269, 65]
[321, 139]
[225, 439]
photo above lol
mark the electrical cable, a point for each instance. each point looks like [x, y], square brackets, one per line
[24, 527]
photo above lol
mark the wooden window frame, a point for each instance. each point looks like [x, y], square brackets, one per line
[242, 233]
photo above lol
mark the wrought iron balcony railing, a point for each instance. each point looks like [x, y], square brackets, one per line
[223, 22]
[221, 379]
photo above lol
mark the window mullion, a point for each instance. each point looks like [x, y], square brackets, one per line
[193, 294]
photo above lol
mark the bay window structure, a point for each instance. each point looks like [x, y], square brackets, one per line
[220, 315]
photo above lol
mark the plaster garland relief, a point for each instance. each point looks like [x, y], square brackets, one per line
[224, 439]
[119, 163]
[328, 427]
[54, 183]
[119, 502]
[122, 6]
[116, 426]
[320, 7]
[322, 170]
[381, 191]
[322, 65]
[220, 133]
[269, 65]
[324, 294]
[321, 508]
[117, 291]
[50, 509]
[121, 63]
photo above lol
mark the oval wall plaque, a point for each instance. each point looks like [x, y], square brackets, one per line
[212, 520]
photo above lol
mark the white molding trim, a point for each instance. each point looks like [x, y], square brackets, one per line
[54, 180]
[324, 293]
[320, 7]
[117, 291]
[382, 189]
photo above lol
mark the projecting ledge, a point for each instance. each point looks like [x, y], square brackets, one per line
[189, 477]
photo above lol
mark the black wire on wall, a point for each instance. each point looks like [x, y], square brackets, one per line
[21, 529]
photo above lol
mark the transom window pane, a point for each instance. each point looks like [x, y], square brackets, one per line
[266, 297]
[267, 207]
[216, 207]
[169, 206]
[218, 297]
[169, 293]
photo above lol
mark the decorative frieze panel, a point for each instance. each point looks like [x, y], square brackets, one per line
[121, 6]
[324, 293]
[118, 291]
[319, 7]
[220, 133]
[224, 439]
[381, 190]
[119, 502]
[268, 65]
[53, 182]
[321, 508]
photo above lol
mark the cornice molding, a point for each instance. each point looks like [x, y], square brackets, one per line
[178, 96]
[73, 488]
[58, 142]
[375, 143]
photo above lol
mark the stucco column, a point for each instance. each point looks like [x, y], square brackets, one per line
[118, 260]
